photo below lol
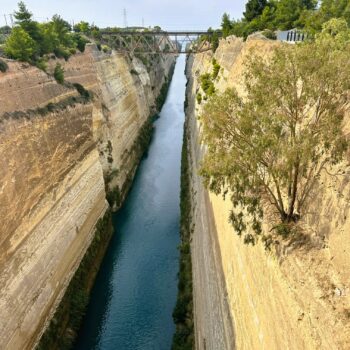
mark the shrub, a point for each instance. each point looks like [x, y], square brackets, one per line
[114, 197]
[61, 52]
[269, 34]
[80, 42]
[3, 66]
[20, 45]
[199, 98]
[216, 68]
[59, 73]
[207, 84]
[41, 64]
[82, 91]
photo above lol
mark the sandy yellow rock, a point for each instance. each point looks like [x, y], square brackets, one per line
[52, 188]
[298, 299]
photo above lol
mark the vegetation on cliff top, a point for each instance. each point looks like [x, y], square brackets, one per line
[269, 147]
[59, 73]
[29, 40]
[285, 15]
[3, 66]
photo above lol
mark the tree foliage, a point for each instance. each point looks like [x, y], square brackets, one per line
[20, 45]
[3, 66]
[288, 12]
[24, 20]
[59, 73]
[254, 8]
[285, 15]
[226, 25]
[82, 27]
[270, 146]
[30, 40]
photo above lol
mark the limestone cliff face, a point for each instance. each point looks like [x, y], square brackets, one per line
[296, 299]
[56, 150]
[128, 91]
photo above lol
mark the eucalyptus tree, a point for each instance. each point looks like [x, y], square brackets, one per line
[268, 146]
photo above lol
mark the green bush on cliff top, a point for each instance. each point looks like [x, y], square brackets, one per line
[307, 15]
[3, 66]
[59, 73]
[30, 40]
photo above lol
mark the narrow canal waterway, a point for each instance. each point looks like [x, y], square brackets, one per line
[135, 291]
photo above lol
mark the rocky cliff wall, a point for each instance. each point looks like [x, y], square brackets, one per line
[295, 298]
[59, 153]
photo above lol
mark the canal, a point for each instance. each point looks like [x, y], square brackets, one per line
[135, 290]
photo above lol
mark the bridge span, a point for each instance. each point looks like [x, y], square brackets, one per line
[161, 42]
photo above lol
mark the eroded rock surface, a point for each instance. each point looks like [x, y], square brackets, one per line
[296, 299]
[54, 163]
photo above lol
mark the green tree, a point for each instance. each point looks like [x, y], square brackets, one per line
[24, 20]
[309, 4]
[62, 29]
[80, 42]
[53, 36]
[226, 25]
[82, 26]
[270, 147]
[288, 12]
[254, 8]
[266, 19]
[239, 28]
[335, 9]
[59, 73]
[50, 38]
[20, 45]
[215, 41]
[23, 15]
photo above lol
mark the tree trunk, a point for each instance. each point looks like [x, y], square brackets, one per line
[294, 192]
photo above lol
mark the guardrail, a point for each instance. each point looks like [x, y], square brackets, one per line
[295, 36]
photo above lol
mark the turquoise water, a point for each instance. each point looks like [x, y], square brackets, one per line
[135, 291]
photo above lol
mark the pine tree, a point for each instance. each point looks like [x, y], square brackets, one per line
[254, 9]
[22, 15]
[226, 25]
[24, 20]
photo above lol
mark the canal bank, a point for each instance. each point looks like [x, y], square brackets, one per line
[135, 292]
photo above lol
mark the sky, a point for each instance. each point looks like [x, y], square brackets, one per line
[168, 14]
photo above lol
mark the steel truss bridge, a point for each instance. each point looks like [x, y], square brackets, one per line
[160, 42]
